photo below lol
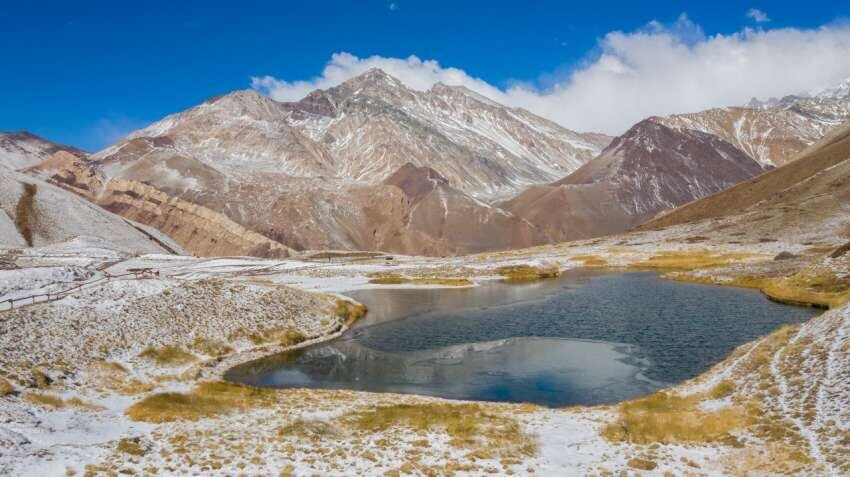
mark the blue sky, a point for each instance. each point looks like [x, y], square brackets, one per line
[85, 73]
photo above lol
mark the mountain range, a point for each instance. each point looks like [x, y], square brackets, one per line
[374, 165]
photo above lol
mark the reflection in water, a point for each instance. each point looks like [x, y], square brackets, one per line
[587, 338]
[543, 370]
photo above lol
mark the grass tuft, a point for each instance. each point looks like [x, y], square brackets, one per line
[25, 213]
[467, 425]
[723, 389]
[641, 464]
[211, 347]
[292, 338]
[813, 286]
[168, 356]
[207, 399]
[56, 402]
[132, 446]
[349, 311]
[40, 378]
[690, 260]
[114, 376]
[525, 273]
[6, 388]
[312, 429]
[667, 418]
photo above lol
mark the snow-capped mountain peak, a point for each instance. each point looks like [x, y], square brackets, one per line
[366, 128]
[841, 91]
[774, 131]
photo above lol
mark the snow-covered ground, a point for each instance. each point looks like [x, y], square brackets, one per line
[88, 351]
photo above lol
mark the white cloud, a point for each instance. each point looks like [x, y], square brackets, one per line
[412, 71]
[757, 15]
[392, 6]
[656, 70]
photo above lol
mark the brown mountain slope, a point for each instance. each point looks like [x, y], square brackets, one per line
[316, 174]
[648, 169]
[808, 191]
[444, 220]
[196, 228]
[414, 212]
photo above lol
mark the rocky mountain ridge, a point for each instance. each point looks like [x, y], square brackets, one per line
[773, 132]
[373, 165]
[364, 130]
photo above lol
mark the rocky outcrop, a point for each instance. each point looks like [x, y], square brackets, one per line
[199, 230]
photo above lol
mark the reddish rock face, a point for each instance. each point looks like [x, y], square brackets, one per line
[648, 169]
[416, 182]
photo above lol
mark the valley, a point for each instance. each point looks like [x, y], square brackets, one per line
[376, 279]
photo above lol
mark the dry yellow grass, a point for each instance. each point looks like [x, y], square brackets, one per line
[6, 387]
[812, 286]
[690, 260]
[641, 464]
[207, 399]
[471, 426]
[389, 279]
[25, 212]
[311, 429]
[291, 337]
[523, 273]
[277, 335]
[168, 356]
[211, 347]
[115, 377]
[771, 459]
[667, 419]
[396, 279]
[40, 379]
[591, 260]
[723, 389]
[349, 311]
[132, 446]
[56, 402]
